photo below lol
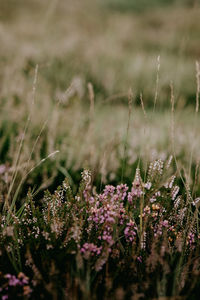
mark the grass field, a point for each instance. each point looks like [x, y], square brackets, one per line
[92, 95]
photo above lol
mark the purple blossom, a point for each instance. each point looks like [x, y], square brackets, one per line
[165, 223]
[191, 238]
[109, 190]
[130, 231]
[13, 281]
[122, 191]
[89, 249]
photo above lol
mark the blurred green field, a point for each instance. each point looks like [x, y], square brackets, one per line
[115, 45]
[112, 48]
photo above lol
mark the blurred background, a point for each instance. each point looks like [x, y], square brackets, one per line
[50, 51]
[112, 43]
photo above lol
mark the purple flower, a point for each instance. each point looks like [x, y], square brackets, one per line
[130, 231]
[165, 223]
[90, 249]
[122, 191]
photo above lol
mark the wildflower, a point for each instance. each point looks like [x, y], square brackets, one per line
[196, 201]
[177, 202]
[89, 249]
[109, 190]
[148, 185]
[153, 199]
[122, 191]
[130, 231]
[136, 190]
[147, 210]
[190, 239]
[170, 183]
[165, 223]
[13, 281]
[174, 192]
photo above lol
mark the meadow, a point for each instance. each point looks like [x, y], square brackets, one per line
[99, 149]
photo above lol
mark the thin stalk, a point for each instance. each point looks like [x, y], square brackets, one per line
[130, 100]
[195, 128]
[23, 179]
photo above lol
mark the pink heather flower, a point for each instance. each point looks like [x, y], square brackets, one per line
[196, 201]
[191, 238]
[170, 183]
[165, 223]
[146, 211]
[148, 185]
[122, 215]
[139, 258]
[13, 281]
[153, 199]
[158, 194]
[108, 210]
[91, 200]
[177, 202]
[130, 231]
[136, 190]
[174, 192]
[158, 228]
[109, 190]
[122, 191]
[130, 198]
[89, 249]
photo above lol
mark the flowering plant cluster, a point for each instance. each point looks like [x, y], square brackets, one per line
[16, 287]
[86, 244]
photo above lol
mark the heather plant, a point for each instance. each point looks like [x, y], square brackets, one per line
[15, 287]
[118, 227]
[122, 242]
